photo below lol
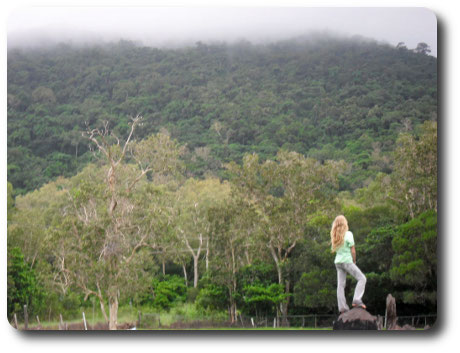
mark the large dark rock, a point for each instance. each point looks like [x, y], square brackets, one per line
[356, 319]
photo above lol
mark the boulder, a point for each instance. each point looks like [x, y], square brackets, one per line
[355, 319]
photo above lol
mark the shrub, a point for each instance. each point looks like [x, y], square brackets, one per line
[168, 291]
[23, 287]
[212, 297]
[192, 294]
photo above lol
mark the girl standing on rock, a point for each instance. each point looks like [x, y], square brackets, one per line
[343, 245]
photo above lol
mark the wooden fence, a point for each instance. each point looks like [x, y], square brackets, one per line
[153, 321]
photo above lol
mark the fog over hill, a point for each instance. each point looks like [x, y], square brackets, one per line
[324, 96]
[173, 27]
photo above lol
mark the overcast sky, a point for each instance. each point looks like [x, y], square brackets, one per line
[158, 26]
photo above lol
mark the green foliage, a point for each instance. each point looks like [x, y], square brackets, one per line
[414, 261]
[192, 294]
[23, 286]
[67, 304]
[363, 221]
[378, 286]
[262, 299]
[59, 164]
[261, 293]
[306, 129]
[414, 184]
[327, 98]
[212, 297]
[9, 201]
[316, 289]
[377, 250]
[168, 291]
[258, 272]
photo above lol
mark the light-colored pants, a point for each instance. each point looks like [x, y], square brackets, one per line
[352, 269]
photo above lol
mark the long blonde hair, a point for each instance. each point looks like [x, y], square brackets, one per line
[339, 228]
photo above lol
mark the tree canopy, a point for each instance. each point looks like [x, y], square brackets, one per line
[211, 174]
[327, 98]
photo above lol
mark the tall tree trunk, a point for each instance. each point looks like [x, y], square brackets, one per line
[195, 271]
[277, 264]
[284, 306]
[207, 255]
[248, 258]
[113, 306]
[232, 309]
[195, 259]
[184, 268]
[101, 302]
[234, 317]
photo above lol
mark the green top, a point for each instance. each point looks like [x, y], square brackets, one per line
[343, 254]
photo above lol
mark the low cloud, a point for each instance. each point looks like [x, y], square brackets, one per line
[156, 26]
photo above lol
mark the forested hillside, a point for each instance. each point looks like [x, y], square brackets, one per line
[326, 98]
[205, 179]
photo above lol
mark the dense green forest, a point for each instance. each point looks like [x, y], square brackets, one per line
[211, 174]
[327, 99]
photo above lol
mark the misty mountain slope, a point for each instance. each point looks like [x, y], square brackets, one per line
[327, 98]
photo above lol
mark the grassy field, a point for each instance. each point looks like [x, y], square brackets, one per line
[182, 317]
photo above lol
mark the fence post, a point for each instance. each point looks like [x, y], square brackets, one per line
[38, 320]
[241, 319]
[61, 322]
[16, 320]
[315, 320]
[386, 315]
[138, 319]
[26, 318]
[303, 321]
[84, 321]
